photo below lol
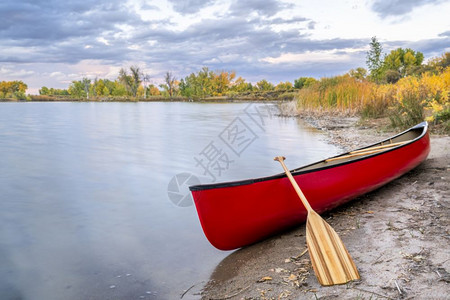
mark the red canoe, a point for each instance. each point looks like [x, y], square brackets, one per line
[239, 213]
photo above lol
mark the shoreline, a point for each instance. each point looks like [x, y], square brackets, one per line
[256, 96]
[397, 235]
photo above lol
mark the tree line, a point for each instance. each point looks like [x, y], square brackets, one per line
[133, 82]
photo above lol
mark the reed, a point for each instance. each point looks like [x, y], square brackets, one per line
[344, 94]
[407, 102]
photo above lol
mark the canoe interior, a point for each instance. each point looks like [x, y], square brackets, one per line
[410, 135]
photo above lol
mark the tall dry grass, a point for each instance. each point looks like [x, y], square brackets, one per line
[407, 102]
[341, 93]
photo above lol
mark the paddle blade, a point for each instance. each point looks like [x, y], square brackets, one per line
[329, 257]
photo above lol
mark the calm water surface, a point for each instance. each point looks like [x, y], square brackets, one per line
[84, 205]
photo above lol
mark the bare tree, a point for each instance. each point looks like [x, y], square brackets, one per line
[86, 84]
[146, 82]
[131, 81]
[170, 82]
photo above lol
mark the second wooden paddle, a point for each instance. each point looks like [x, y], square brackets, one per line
[330, 259]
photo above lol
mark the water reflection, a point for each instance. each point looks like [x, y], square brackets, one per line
[84, 210]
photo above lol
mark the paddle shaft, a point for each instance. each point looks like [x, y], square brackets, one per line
[294, 183]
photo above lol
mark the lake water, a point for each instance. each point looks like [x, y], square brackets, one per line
[92, 204]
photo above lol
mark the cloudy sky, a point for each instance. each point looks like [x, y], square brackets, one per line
[52, 42]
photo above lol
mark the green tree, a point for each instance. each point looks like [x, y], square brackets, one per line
[77, 89]
[303, 82]
[403, 61]
[54, 92]
[118, 89]
[284, 86]
[44, 91]
[197, 85]
[186, 89]
[358, 73]
[109, 87]
[105, 91]
[204, 81]
[99, 88]
[240, 86]
[374, 60]
[264, 85]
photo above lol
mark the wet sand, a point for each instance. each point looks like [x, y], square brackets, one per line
[398, 236]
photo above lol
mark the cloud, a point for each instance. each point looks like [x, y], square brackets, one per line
[108, 31]
[266, 8]
[60, 20]
[431, 47]
[287, 21]
[22, 73]
[221, 43]
[64, 31]
[309, 57]
[189, 6]
[445, 34]
[312, 25]
[399, 7]
[147, 6]
[56, 40]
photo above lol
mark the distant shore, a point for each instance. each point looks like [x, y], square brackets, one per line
[250, 96]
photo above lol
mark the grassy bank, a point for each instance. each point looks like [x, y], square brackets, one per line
[53, 98]
[409, 101]
[245, 96]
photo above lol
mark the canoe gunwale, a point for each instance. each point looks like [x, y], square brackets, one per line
[301, 170]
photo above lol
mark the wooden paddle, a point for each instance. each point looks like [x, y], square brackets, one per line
[330, 259]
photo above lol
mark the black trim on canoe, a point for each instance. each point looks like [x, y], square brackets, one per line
[423, 126]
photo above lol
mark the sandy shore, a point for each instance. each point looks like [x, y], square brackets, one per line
[398, 236]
